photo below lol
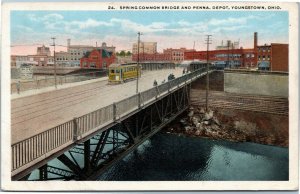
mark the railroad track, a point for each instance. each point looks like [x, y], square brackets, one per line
[265, 104]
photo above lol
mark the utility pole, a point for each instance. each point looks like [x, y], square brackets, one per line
[138, 60]
[54, 61]
[228, 44]
[194, 51]
[208, 42]
[232, 57]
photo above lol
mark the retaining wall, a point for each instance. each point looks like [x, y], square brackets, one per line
[256, 83]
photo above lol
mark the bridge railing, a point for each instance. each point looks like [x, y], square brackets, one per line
[126, 105]
[148, 95]
[93, 119]
[30, 149]
[34, 147]
[40, 81]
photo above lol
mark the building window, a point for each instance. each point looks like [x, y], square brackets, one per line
[93, 65]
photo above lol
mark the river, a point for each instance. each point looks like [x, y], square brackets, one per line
[169, 157]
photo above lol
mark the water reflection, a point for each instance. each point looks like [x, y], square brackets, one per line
[169, 157]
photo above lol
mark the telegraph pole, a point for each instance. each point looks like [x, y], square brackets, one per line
[138, 60]
[228, 44]
[208, 42]
[54, 61]
[232, 57]
[194, 51]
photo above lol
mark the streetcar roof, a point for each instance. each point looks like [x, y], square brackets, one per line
[114, 65]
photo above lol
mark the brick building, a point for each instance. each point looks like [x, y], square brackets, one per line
[169, 55]
[152, 57]
[177, 55]
[273, 57]
[226, 58]
[41, 58]
[17, 60]
[97, 58]
[43, 50]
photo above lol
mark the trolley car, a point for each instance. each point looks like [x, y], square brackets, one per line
[119, 73]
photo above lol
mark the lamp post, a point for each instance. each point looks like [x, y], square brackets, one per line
[138, 60]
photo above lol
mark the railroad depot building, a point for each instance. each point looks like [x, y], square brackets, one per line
[231, 58]
[97, 58]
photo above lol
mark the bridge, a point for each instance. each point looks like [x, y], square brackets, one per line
[101, 122]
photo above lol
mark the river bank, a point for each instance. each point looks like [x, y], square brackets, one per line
[232, 125]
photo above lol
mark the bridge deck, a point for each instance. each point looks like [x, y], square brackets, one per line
[34, 114]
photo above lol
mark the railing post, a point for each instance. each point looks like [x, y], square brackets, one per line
[114, 111]
[37, 84]
[157, 92]
[18, 87]
[139, 100]
[75, 129]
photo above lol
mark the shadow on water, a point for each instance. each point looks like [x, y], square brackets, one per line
[167, 157]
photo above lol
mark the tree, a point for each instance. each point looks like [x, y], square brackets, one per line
[117, 53]
[122, 53]
[128, 53]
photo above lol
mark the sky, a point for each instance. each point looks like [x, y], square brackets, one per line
[170, 29]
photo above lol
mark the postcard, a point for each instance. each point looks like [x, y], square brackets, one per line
[158, 96]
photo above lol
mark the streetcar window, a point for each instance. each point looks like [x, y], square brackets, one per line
[117, 71]
[112, 71]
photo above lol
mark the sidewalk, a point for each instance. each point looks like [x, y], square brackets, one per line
[52, 88]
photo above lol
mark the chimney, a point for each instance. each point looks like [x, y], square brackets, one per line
[255, 40]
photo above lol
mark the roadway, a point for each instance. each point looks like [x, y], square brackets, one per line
[33, 114]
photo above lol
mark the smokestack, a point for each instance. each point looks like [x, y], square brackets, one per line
[255, 40]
